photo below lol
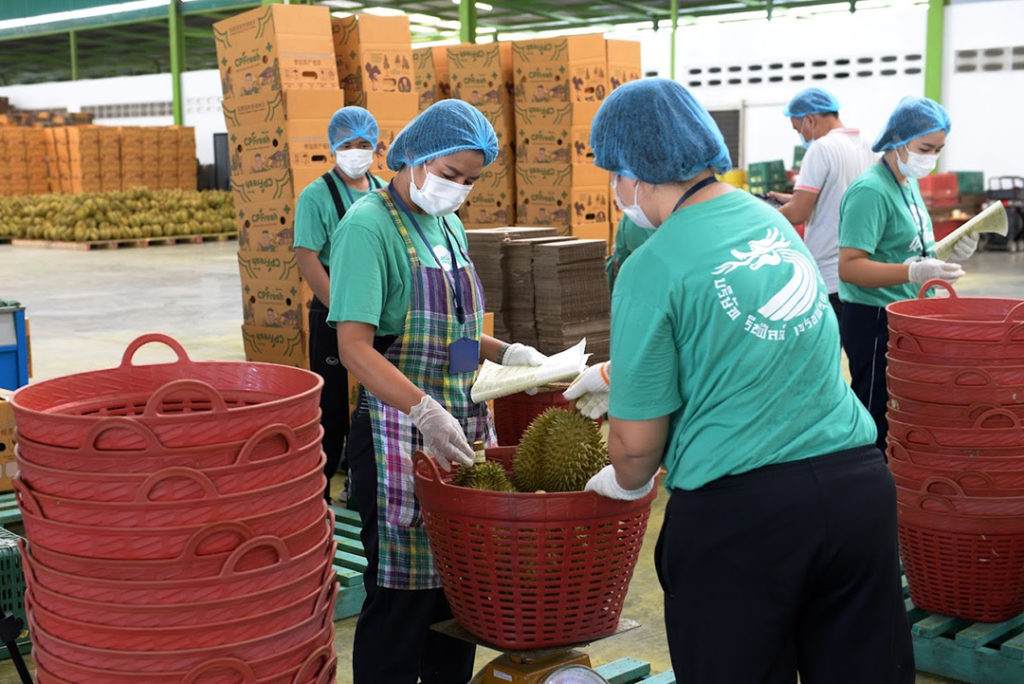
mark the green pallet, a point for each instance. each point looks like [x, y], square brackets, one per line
[9, 512]
[631, 670]
[976, 652]
[12, 588]
[349, 563]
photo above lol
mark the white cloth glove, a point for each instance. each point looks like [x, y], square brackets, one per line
[591, 389]
[605, 484]
[965, 246]
[443, 437]
[522, 355]
[929, 269]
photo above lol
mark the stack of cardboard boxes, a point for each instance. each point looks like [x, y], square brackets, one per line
[430, 67]
[23, 161]
[559, 85]
[277, 68]
[482, 76]
[623, 66]
[375, 69]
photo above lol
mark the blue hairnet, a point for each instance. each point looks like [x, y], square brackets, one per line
[655, 131]
[352, 123]
[443, 128]
[811, 101]
[912, 118]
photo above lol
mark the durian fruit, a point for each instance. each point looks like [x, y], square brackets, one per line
[487, 475]
[559, 452]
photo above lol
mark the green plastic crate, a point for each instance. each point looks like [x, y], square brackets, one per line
[798, 156]
[12, 587]
[970, 182]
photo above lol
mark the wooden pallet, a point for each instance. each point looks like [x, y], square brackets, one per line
[976, 652]
[117, 244]
[349, 563]
[631, 670]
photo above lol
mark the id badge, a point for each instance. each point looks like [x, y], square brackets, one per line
[463, 356]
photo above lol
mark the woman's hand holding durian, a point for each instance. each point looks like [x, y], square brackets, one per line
[590, 389]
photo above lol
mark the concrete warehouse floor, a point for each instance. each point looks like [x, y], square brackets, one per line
[85, 307]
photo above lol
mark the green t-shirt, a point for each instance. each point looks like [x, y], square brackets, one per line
[316, 217]
[874, 217]
[371, 277]
[722, 322]
[628, 237]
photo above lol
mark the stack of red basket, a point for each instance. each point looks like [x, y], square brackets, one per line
[176, 523]
[956, 450]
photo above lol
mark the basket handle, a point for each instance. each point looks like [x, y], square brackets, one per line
[29, 569]
[319, 658]
[92, 437]
[425, 467]
[233, 664]
[266, 540]
[191, 549]
[983, 476]
[968, 373]
[138, 342]
[929, 438]
[938, 480]
[1015, 314]
[327, 596]
[264, 433]
[905, 342]
[145, 491]
[946, 504]
[979, 422]
[978, 408]
[26, 499]
[198, 386]
[936, 282]
[898, 452]
[1014, 334]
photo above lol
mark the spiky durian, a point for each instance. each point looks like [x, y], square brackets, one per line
[488, 475]
[559, 452]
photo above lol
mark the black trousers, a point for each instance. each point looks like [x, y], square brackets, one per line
[334, 411]
[837, 305]
[864, 332]
[789, 568]
[393, 642]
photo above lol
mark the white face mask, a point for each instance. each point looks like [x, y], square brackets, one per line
[633, 212]
[438, 197]
[917, 165]
[354, 163]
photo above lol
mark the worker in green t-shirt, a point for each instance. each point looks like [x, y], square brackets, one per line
[352, 133]
[886, 245]
[628, 237]
[725, 372]
[409, 310]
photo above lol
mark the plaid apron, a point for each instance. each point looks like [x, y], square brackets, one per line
[421, 354]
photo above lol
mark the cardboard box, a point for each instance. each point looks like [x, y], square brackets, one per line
[482, 74]
[430, 69]
[489, 207]
[262, 151]
[567, 69]
[35, 140]
[8, 464]
[168, 144]
[266, 227]
[274, 48]
[561, 175]
[276, 345]
[268, 266]
[373, 55]
[624, 62]
[502, 118]
[274, 303]
[555, 200]
[590, 207]
[594, 231]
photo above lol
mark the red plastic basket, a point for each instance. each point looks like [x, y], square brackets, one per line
[989, 430]
[952, 413]
[186, 403]
[975, 481]
[990, 460]
[247, 552]
[959, 375]
[275, 653]
[119, 479]
[528, 571]
[923, 349]
[209, 506]
[514, 413]
[986, 319]
[960, 502]
[192, 614]
[172, 638]
[963, 394]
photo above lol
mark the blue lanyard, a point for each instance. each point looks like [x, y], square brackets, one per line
[915, 215]
[460, 311]
[693, 191]
[348, 193]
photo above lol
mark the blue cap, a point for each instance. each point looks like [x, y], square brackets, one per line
[655, 131]
[352, 123]
[811, 101]
[912, 118]
[441, 129]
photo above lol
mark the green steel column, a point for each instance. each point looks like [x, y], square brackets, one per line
[176, 38]
[74, 54]
[934, 45]
[467, 21]
[674, 10]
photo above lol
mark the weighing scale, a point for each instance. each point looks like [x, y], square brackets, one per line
[557, 665]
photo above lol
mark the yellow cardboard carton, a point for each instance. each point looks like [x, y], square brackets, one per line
[8, 465]
[373, 55]
[268, 265]
[274, 303]
[266, 227]
[275, 345]
[482, 74]
[623, 62]
[568, 69]
[430, 68]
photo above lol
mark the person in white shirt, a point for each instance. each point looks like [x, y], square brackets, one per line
[837, 156]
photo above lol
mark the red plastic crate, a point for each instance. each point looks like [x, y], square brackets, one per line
[940, 190]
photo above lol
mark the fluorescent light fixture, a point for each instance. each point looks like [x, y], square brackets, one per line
[479, 5]
[384, 11]
[87, 13]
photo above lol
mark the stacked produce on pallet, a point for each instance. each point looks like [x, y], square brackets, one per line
[375, 68]
[432, 83]
[559, 85]
[277, 68]
[482, 76]
[956, 434]
[175, 522]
